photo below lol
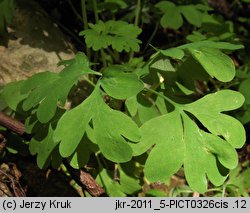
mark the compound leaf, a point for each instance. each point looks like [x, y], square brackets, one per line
[110, 129]
[118, 34]
[208, 111]
[201, 151]
[72, 126]
[165, 132]
[58, 86]
[172, 17]
[175, 139]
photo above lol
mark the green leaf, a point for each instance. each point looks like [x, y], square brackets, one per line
[212, 44]
[244, 116]
[81, 155]
[146, 110]
[119, 84]
[208, 111]
[112, 188]
[216, 63]
[59, 86]
[3, 105]
[172, 160]
[141, 105]
[172, 19]
[11, 94]
[173, 53]
[201, 153]
[196, 36]
[118, 34]
[192, 14]
[43, 147]
[239, 177]
[244, 89]
[131, 105]
[75, 119]
[110, 128]
[173, 14]
[174, 139]
[163, 65]
[130, 184]
[165, 6]
[7, 8]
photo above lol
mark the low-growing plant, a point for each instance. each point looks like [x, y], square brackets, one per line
[145, 119]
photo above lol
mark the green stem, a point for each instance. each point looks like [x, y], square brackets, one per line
[95, 11]
[136, 23]
[164, 97]
[137, 12]
[85, 24]
[89, 81]
[96, 20]
[84, 15]
[114, 55]
[103, 58]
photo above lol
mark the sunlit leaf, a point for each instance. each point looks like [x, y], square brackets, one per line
[176, 140]
[119, 84]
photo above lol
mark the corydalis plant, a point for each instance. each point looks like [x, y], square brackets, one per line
[195, 134]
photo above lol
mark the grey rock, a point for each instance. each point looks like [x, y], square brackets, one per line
[33, 44]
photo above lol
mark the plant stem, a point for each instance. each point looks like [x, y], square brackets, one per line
[154, 86]
[103, 58]
[89, 81]
[85, 24]
[84, 15]
[95, 11]
[136, 23]
[96, 20]
[114, 55]
[164, 97]
[137, 12]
